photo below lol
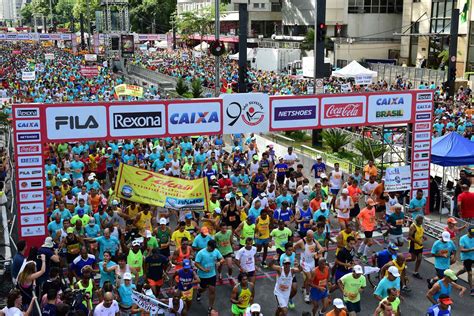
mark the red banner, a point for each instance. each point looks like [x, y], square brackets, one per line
[89, 71]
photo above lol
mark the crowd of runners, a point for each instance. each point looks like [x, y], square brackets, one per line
[263, 215]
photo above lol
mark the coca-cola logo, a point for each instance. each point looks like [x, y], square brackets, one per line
[340, 110]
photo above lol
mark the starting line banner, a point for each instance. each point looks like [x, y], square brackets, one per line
[35, 37]
[148, 187]
[36, 124]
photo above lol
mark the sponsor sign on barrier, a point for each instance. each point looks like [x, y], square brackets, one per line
[232, 113]
[246, 113]
[28, 75]
[89, 71]
[398, 179]
[288, 112]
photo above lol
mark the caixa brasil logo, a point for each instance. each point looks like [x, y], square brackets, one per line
[251, 113]
[194, 118]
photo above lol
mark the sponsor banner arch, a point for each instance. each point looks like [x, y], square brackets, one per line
[36, 124]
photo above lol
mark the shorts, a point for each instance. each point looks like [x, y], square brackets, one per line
[280, 179]
[467, 265]
[398, 239]
[237, 310]
[307, 266]
[250, 274]
[205, 282]
[414, 251]
[440, 273]
[229, 255]
[354, 211]
[101, 176]
[342, 220]
[155, 282]
[353, 307]
[368, 234]
[280, 251]
[282, 300]
[334, 191]
[317, 295]
[261, 242]
[187, 295]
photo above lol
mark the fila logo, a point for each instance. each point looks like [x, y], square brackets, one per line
[75, 123]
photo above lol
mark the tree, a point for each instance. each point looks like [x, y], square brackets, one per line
[181, 87]
[370, 149]
[201, 22]
[145, 13]
[196, 88]
[308, 42]
[335, 139]
[27, 13]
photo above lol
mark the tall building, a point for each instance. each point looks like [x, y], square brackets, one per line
[7, 10]
[264, 15]
[427, 34]
[360, 29]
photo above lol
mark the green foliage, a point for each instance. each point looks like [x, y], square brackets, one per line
[80, 6]
[370, 149]
[201, 22]
[27, 13]
[40, 7]
[196, 88]
[335, 139]
[297, 135]
[181, 87]
[144, 12]
[308, 42]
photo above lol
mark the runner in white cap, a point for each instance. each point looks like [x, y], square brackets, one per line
[283, 285]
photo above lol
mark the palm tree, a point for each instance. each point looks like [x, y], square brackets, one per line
[181, 87]
[370, 149]
[335, 139]
[196, 88]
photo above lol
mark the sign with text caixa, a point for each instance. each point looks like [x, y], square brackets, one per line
[35, 124]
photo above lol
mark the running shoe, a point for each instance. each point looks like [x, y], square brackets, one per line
[291, 305]
[417, 275]
[198, 297]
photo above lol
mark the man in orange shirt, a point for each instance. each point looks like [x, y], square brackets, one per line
[379, 196]
[370, 170]
[320, 286]
[315, 203]
[366, 220]
[339, 310]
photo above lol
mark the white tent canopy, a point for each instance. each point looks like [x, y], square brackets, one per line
[250, 55]
[202, 47]
[352, 70]
[161, 44]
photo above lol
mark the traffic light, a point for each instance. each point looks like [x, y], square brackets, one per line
[321, 32]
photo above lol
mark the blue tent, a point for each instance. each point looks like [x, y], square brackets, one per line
[452, 150]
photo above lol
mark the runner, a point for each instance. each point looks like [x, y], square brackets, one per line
[319, 287]
[283, 285]
[262, 232]
[416, 236]
[466, 248]
[367, 221]
[281, 236]
[186, 278]
[444, 252]
[245, 260]
[352, 285]
[224, 242]
[445, 286]
[242, 295]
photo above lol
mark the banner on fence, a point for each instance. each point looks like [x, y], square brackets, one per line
[398, 179]
[89, 71]
[147, 187]
[129, 90]
[363, 79]
[28, 75]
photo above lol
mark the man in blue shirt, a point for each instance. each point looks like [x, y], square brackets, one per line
[381, 258]
[466, 248]
[284, 196]
[201, 240]
[284, 213]
[318, 167]
[206, 261]
[443, 308]
[444, 252]
[417, 205]
[107, 243]
[392, 280]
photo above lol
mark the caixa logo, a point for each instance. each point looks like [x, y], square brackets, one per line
[194, 118]
[75, 122]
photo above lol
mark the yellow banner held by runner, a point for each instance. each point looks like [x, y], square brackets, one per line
[129, 90]
[148, 187]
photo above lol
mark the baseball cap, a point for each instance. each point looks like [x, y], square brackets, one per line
[392, 246]
[370, 202]
[319, 157]
[213, 177]
[127, 276]
[162, 221]
[255, 157]
[188, 216]
[115, 202]
[452, 220]
[323, 206]
[263, 194]
[205, 231]
[471, 230]
[65, 180]
[228, 196]
[109, 148]
[287, 260]
[186, 264]
[255, 308]
[80, 211]
[394, 271]
[338, 303]
[445, 236]
[450, 274]
[217, 210]
[358, 269]
[70, 230]
[445, 299]
[136, 242]
[345, 191]
[90, 177]
[48, 242]
[91, 221]
[306, 189]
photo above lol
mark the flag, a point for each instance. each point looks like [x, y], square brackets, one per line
[464, 11]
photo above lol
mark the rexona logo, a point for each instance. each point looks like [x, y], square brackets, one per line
[137, 120]
[194, 118]
[390, 101]
[424, 97]
[27, 112]
[74, 122]
[343, 110]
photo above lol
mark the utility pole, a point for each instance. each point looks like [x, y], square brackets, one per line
[51, 13]
[243, 30]
[218, 58]
[453, 51]
[81, 23]
[319, 19]
[89, 28]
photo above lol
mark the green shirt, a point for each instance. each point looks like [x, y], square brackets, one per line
[151, 244]
[395, 304]
[281, 237]
[352, 286]
[223, 242]
[163, 237]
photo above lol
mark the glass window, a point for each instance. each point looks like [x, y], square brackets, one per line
[255, 5]
[383, 6]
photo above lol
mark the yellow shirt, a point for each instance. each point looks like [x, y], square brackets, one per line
[144, 223]
[263, 227]
[132, 211]
[178, 235]
[419, 232]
